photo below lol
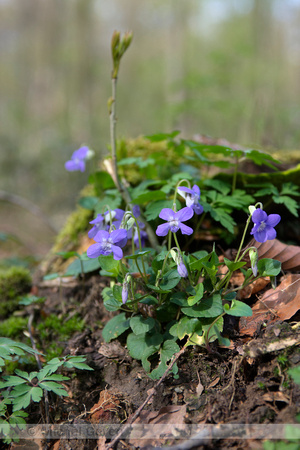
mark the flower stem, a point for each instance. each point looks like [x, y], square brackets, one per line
[114, 167]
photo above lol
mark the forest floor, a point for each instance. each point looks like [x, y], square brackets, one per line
[245, 384]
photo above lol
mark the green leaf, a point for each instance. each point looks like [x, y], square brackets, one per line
[149, 196]
[232, 266]
[168, 282]
[168, 349]
[9, 347]
[101, 181]
[138, 255]
[259, 158]
[51, 366]
[87, 266]
[179, 298]
[11, 380]
[141, 325]
[117, 292]
[185, 326]
[116, 326]
[88, 202]
[51, 386]
[238, 309]
[30, 299]
[154, 208]
[109, 301]
[209, 307]
[114, 201]
[24, 394]
[109, 264]
[268, 267]
[162, 136]
[141, 344]
[295, 374]
[289, 203]
[221, 186]
[198, 296]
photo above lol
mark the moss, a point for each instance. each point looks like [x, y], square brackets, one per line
[76, 224]
[55, 330]
[13, 327]
[14, 282]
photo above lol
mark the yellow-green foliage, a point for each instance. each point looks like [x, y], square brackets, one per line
[13, 327]
[76, 224]
[276, 178]
[13, 282]
[142, 147]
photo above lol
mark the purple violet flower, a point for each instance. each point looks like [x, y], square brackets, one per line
[144, 236]
[174, 221]
[108, 243]
[182, 270]
[77, 161]
[263, 229]
[191, 197]
[99, 225]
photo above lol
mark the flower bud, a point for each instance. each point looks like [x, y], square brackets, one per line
[253, 259]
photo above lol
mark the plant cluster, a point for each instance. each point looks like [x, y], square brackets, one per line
[170, 292]
[19, 390]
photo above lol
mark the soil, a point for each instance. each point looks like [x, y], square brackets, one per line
[224, 386]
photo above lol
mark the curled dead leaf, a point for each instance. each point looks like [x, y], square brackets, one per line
[280, 303]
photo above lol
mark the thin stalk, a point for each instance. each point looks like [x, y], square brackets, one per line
[121, 188]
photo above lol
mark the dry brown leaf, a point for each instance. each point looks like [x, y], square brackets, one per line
[280, 303]
[275, 397]
[168, 415]
[288, 255]
[213, 383]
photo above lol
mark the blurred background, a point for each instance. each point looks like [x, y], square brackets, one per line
[224, 68]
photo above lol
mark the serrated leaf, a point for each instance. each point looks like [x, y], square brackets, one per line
[24, 394]
[289, 203]
[51, 386]
[11, 380]
[115, 327]
[77, 365]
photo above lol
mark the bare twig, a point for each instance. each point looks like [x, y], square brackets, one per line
[153, 391]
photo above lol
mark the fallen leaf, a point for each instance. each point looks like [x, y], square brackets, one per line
[280, 303]
[168, 415]
[288, 255]
[275, 397]
[213, 383]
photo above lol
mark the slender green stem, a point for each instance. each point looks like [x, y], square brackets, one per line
[114, 172]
